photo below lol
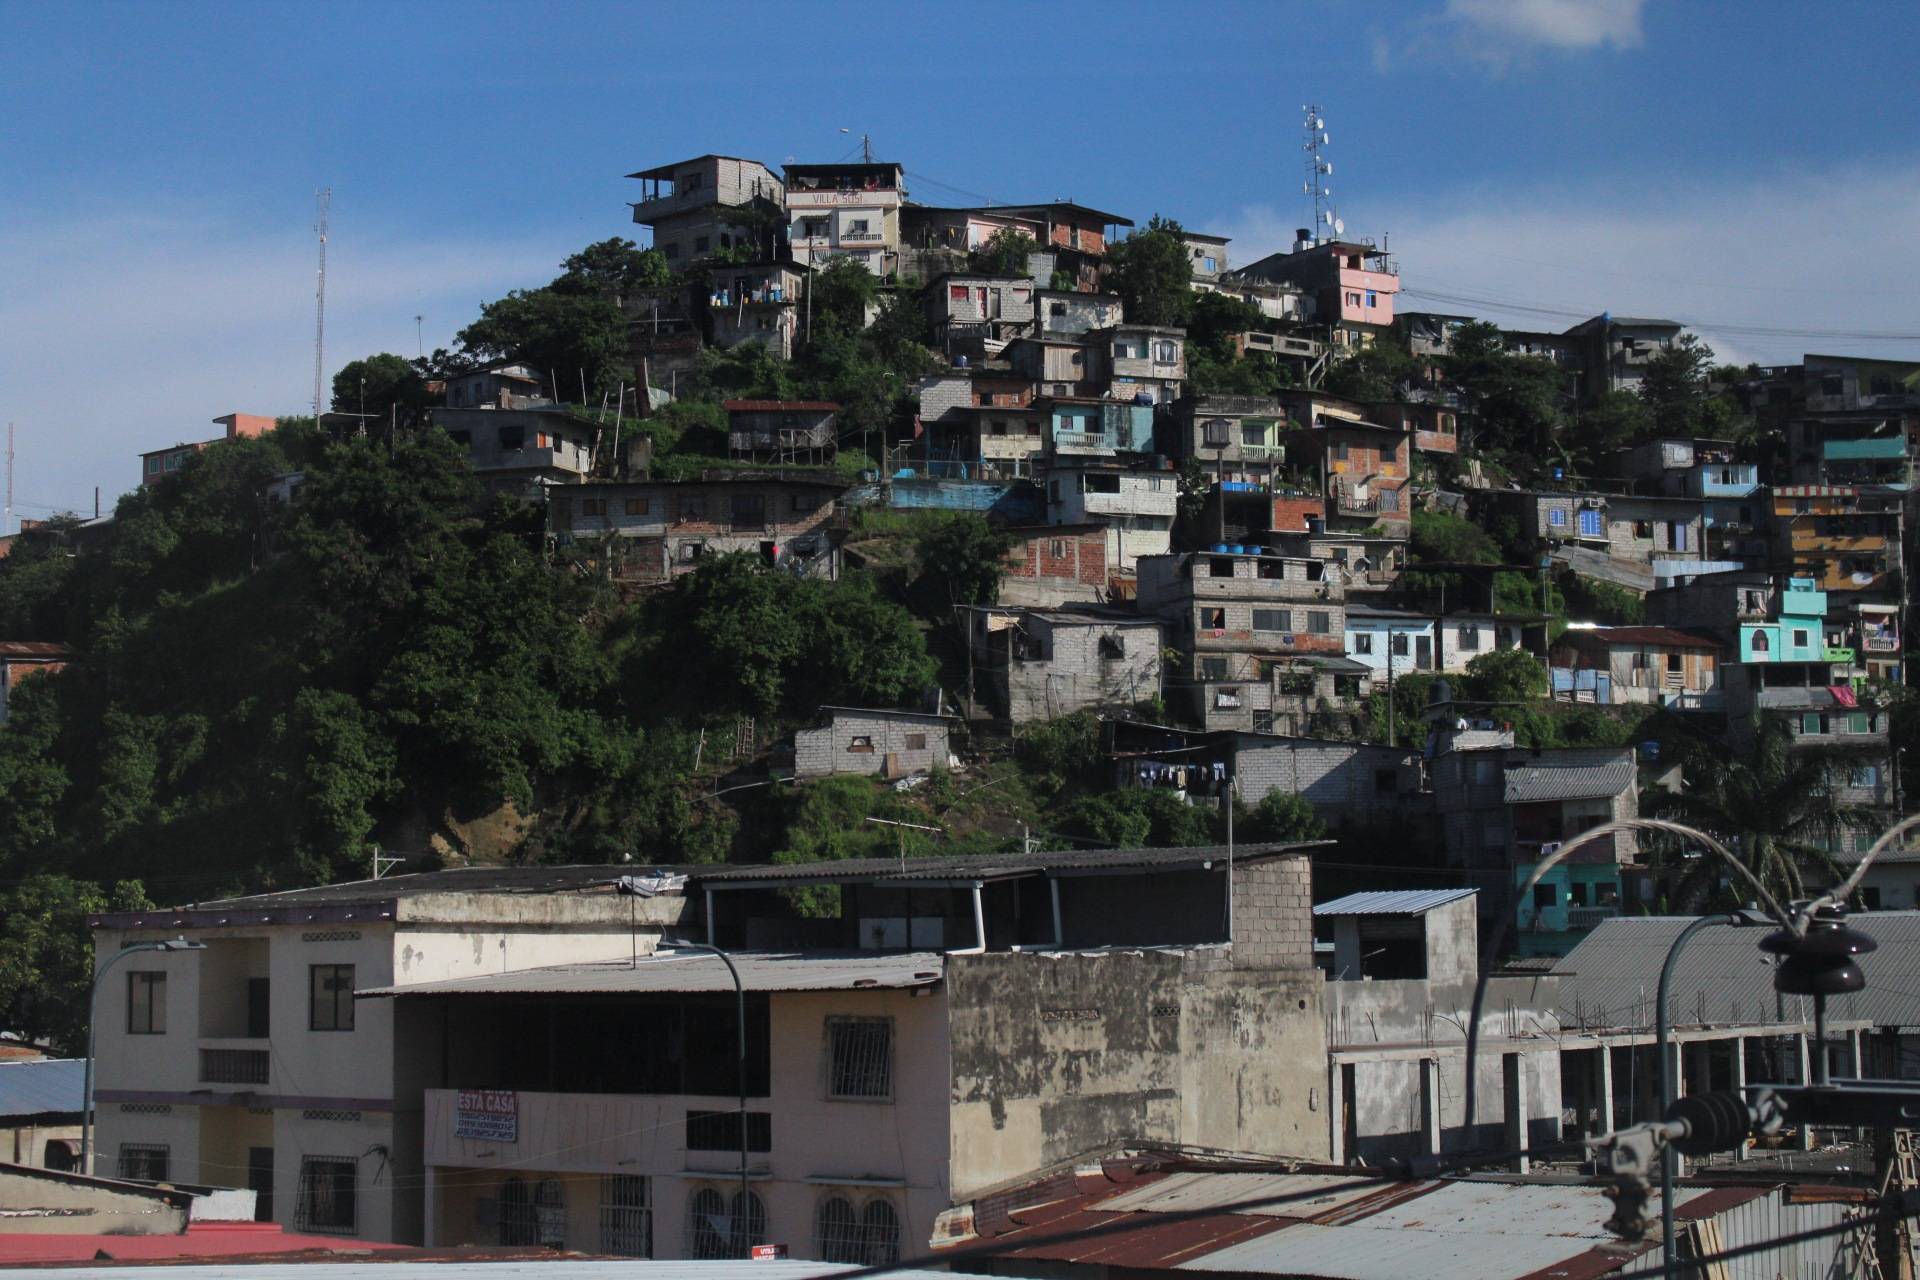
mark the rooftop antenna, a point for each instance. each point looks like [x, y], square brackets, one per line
[419, 343]
[384, 862]
[6, 523]
[321, 200]
[1326, 219]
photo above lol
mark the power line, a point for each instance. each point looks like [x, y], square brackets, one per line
[1713, 326]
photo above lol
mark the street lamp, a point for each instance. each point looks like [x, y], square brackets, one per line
[1663, 1031]
[631, 886]
[86, 1100]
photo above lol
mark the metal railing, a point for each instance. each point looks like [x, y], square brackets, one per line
[234, 1066]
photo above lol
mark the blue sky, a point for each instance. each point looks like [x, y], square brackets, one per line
[1743, 166]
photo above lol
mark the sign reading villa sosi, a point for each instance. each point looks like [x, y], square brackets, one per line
[491, 1115]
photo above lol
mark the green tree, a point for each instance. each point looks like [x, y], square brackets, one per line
[1152, 271]
[46, 954]
[1444, 537]
[1675, 385]
[1774, 806]
[572, 327]
[1005, 253]
[1505, 675]
[1514, 401]
[966, 556]
[1282, 817]
[385, 386]
[1142, 818]
[843, 293]
[1380, 372]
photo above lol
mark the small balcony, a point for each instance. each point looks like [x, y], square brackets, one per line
[225, 1062]
[1589, 917]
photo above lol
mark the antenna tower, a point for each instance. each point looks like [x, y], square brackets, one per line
[1326, 219]
[6, 524]
[321, 200]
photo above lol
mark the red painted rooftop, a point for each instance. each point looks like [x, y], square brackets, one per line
[201, 1240]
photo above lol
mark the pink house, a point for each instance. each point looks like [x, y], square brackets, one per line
[160, 463]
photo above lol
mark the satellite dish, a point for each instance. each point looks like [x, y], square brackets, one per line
[1329, 166]
[1327, 218]
[1324, 139]
[1306, 188]
[1339, 227]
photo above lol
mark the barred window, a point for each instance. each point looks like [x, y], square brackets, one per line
[717, 1227]
[143, 1161]
[626, 1216]
[868, 1237]
[860, 1057]
[550, 1213]
[881, 1227]
[328, 1195]
[516, 1225]
[836, 1232]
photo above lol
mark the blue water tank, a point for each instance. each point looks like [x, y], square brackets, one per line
[1221, 548]
[959, 362]
[1239, 550]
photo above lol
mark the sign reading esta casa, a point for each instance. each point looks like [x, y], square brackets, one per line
[491, 1115]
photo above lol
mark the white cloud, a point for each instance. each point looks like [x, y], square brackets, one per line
[130, 333]
[1555, 24]
[1494, 35]
[1727, 257]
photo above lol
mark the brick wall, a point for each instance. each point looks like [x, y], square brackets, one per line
[1290, 512]
[1273, 914]
[1056, 568]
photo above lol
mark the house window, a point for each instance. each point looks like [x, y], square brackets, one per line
[1812, 723]
[1760, 642]
[1801, 638]
[153, 466]
[1386, 781]
[701, 244]
[1556, 518]
[637, 506]
[1165, 352]
[956, 293]
[1863, 775]
[1033, 429]
[718, 1229]
[511, 439]
[174, 460]
[670, 250]
[1545, 895]
[691, 551]
[1254, 434]
[857, 226]
[330, 992]
[859, 1057]
[1373, 298]
[861, 744]
[1591, 524]
[836, 1232]
[1213, 619]
[1273, 619]
[1859, 722]
[1397, 644]
[916, 741]
[626, 1215]
[1213, 668]
[1215, 434]
[693, 507]
[1577, 894]
[327, 1203]
[1210, 264]
[1319, 622]
[593, 506]
[1363, 642]
[146, 1003]
[1469, 636]
[144, 1161]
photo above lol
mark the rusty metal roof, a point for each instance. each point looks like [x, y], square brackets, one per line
[697, 971]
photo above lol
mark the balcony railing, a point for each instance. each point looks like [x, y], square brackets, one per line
[1589, 917]
[234, 1066]
[1836, 653]
[1881, 644]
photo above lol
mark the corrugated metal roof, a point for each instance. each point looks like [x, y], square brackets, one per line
[1610, 976]
[1392, 902]
[42, 1086]
[550, 1267]
[1796, 699]
[1544, 778]
[989, 865]
[698, 971]
[1208, 1189]
[1346, 1253]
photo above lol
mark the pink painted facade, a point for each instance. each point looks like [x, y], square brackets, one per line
[1366, 297]
[157, 464]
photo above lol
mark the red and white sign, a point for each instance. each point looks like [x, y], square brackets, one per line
[769, 1252]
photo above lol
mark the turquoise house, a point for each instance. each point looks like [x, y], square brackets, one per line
[1796, 632]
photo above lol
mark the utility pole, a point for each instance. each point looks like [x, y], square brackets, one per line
[6, 524]
[322, 199]
[419, 341]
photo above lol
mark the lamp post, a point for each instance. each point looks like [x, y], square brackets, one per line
[740, 1003]
[86, 1100]
[630, 885]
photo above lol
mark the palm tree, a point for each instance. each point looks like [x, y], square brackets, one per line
[1775, 807]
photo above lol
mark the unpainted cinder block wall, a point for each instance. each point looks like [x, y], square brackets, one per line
[1273, 914]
